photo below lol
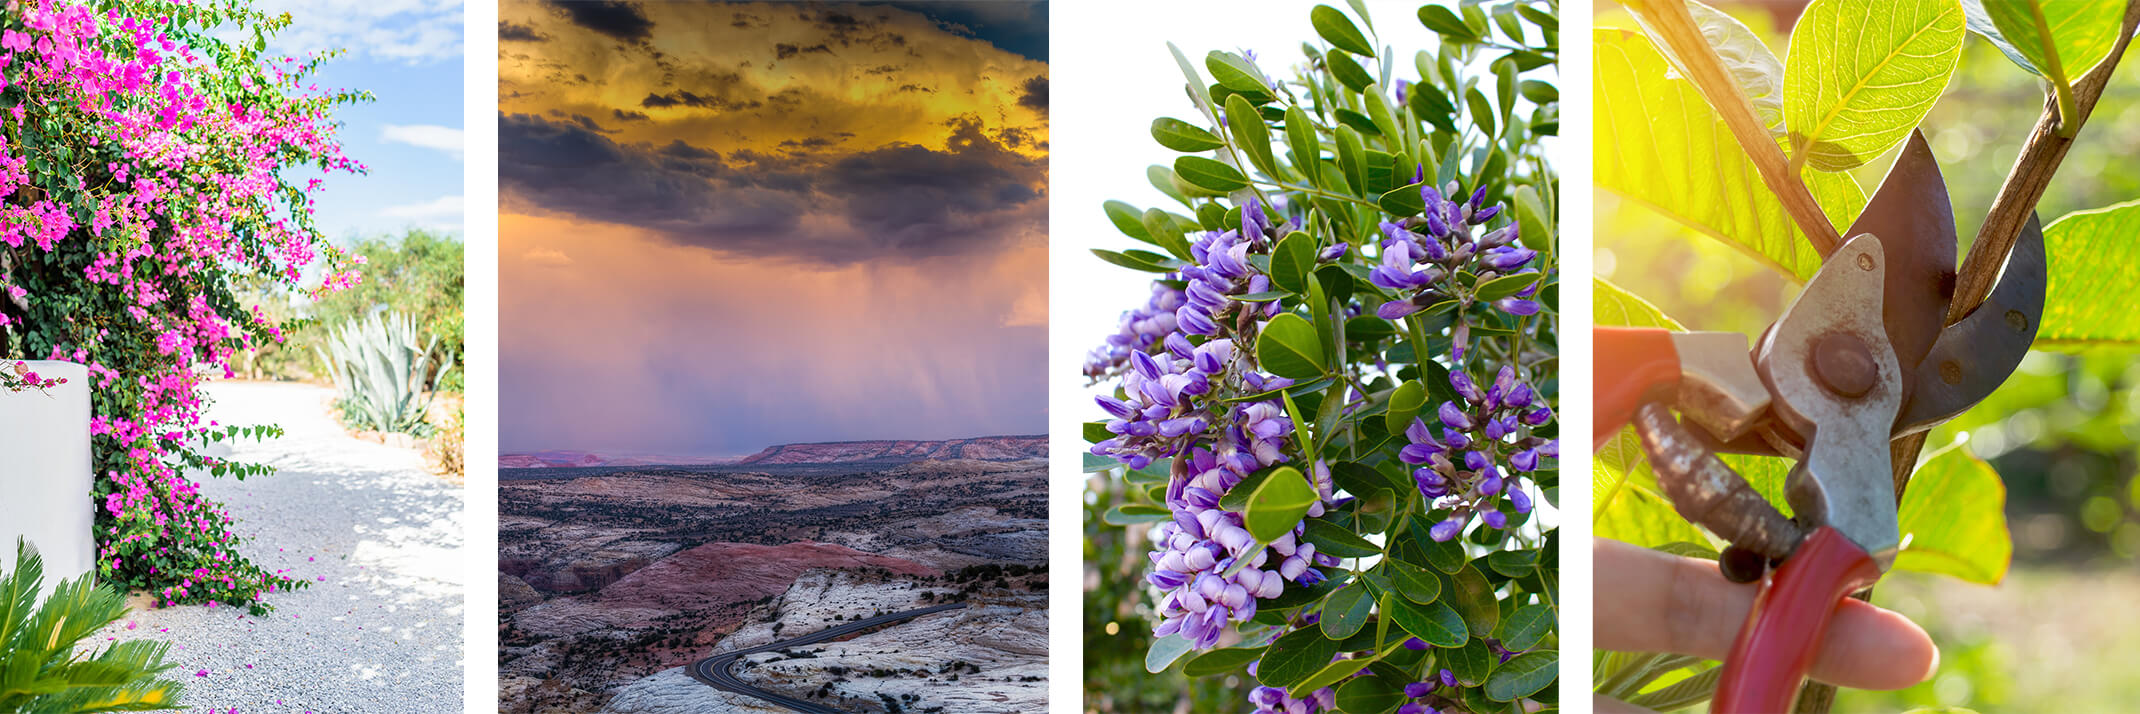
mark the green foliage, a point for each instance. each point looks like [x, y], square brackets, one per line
[2092, 256]
[381, 373]
[40, 670]
[1862, 74]
[1674, 155]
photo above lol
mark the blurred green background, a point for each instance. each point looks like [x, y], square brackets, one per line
[2062, 433]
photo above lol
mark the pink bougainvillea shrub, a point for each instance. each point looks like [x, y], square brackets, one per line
[149, 165]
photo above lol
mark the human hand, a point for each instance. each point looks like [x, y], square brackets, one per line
[1651, 601]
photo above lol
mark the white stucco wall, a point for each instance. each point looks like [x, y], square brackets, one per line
[44, 473]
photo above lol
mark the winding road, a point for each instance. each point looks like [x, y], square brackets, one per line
[716, 671]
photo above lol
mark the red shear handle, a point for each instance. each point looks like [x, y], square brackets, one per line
[1631, 362]
[1776, 646]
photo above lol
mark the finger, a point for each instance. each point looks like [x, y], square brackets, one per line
[1649, 601]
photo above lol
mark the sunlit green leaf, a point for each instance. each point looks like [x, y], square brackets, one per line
[2093, 257]
[1953, 520]
[1861, 74]
[2062, 39]
[1660, 145]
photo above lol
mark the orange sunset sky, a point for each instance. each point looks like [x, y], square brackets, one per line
[727, 226]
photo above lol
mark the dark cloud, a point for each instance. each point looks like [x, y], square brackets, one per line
[1036, 94]
[1017, 27]
[623, 115]
[615, 18]
[514, 32]
[785, 50]
[685, 98]
[895, 202]
[915, 88]
[881, 69]
[580, 120]
[817, 142]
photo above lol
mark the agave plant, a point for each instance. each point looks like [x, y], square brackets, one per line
[381, 372]
[40, 669]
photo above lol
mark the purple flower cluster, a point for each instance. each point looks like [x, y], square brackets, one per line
[1485, 447]
[1157, 416]
[1209, 569]
[1222, 270]
[1424, 690]
[1420, 254]
[1138, 331]
[1273, 700]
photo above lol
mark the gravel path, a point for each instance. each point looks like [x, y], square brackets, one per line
[380, 539]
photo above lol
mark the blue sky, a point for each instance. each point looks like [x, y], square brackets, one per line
[407, 53]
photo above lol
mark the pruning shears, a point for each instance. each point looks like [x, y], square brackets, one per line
[1861, 357]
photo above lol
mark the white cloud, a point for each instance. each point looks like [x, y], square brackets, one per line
[438, 138]
[442, 213]
[409, 31]
[547, 256]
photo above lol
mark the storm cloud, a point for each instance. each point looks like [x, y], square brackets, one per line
[898, 202]
[615, 18]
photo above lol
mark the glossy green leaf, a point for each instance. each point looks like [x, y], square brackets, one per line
[2062, 39]
[1403, 201]
[1434, 623]
[1445, 22]
[1294, 657]
[1278, 504]
[1164, 652]
[1209, 174]
[1250, 135]
[1337, 540]
[1533, 221]
[1339, 31]
[1663, 147]
[1289, 347]
[1346, 611]
[1474, 599]
[1221, 661]
[1348, 71]
[1133, 513]
[1861, 74]
[1291, 260]
[1369, 695]
[1300, 138]
[1405, 403]
[1471, 662]
[1134, 263]
[1953, 520]
[2093, 256]
[1415, 583]
[1505, 286]
[1235, 73]
[1330, 674]
[1168, 232]
[1525, 627]
[1523, 676]
[1182, 136]
[1127, 219]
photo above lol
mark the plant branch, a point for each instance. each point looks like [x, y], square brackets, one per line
[1669, 21]
[2040, 156]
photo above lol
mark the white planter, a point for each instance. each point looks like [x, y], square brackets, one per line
[44, 473]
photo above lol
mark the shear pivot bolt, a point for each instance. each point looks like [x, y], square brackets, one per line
[1844, 364]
